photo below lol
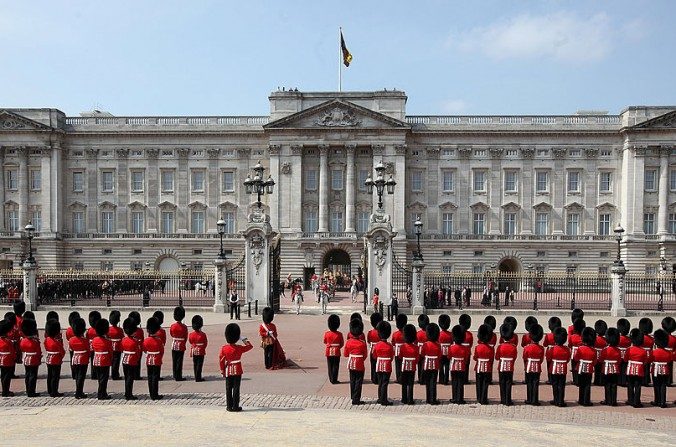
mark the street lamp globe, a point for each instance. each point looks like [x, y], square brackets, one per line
[248, 184]
[390, 185]
[418, 227]
[269, 185]
[221, 226]
[30, 230]
[369, 184]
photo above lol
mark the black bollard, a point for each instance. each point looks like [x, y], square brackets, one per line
[256, 307]
[380, 308]
[389, 312]
[249, 310]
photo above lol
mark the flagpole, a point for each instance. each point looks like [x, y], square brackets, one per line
[340, 60]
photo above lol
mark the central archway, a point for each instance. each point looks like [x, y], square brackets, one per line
[338, 263]
[509, 269]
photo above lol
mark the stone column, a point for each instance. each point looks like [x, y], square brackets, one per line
[663, 192]
[56, 188]
[273, 150]
[153, 195]
[2, 189]
[257, 237]
[92, 192]
[349, 189]
[399, 217]
[182, 188]
[219, 280]
[417, 304]
[296, 179]
[323, 189]
[23, 186]
[380, 256]
[494, 193]
[46, 192]
[30, 287]
[617, 272]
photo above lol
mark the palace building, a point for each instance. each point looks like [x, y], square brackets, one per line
[507, 192]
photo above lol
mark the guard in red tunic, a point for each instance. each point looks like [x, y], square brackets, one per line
[139, 336]
[230, 363]
[115, 335]
[669, 326]
[94, 316]
[131, 357]
[384, 354]
[585, 358]
[645, 325]
[610, 360]
[636, 358]
[558, 358]
[152, 346]
[333, 340]
[32, 354]
[79, 344]
[355, 350]
[55, 353]
[466, 322]
[70, 334]
[483, 356]
[179, 337]
[623, 326]
[533, 355]
[421, 337]
[103, 357]
[601, 327]
[408, 357]
[198, 346]
[574, 342]
[430, 354]
[575, 314]
[445, 341]
[530, 322]
[661, 368]
[397, 341]
[7, 360]
[19, 308]
[505, 355]
[554, 323]
[512, 322]
[458, 365]
[371, 339]
[357, 316]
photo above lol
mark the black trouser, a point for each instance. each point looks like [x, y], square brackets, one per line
[610, 388]
[559, 388]
[6, 373]
[646, 376]
[137, 371]
[458, 387]
[533, 388]
[102, 375]
[482, 387]
[444, 370]
[31, 379]
[356, 382]
[374, 378]
[53, 376]
[177, 364]
[383, 382]
[397, 369]
[660, 389]
[407, 379]
[333, 363]
[466, 372]
[234, 310]
[622, 379]
[573, 370]
[584, 382]
[80, 376]
[421, 381]
[268, 350]
[92, 370]
[634, 390]
[129, 374]
[598, 374]
[154, 380]
[197, 363]
[115, 367]
[430, 379]
[72, 367]
[506, 380]
[232, 391]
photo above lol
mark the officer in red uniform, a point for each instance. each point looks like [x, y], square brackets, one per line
[397, 341]
[152, 346]
[661, 368]
[372, 338]
[408, 358]
[458, 365]
[7, 360]
[198, 346]
[55, 353]
[384, 355]
[94, 316]
[645, 325]
[430, 354]
[355, 350]
[79, 345]
[19, 308]
[669, 326]
[466, 322]
[585, 358]
[32, 354]
[115, 335]
[421, 337]
[515, 338]
[533, 355]
[623, 326]
[636, 358]
[558, 358]
[483, 356]
[445, 341]
[70, 334]
[575, 314]
[530, 322]
[505, 355]
[333, 340]
[601, 327]
[103, 357]
[610, 360]
[230, 363]
[179, 335]
[131, 356]
[139, 336]
[574, 342]
[548, 343]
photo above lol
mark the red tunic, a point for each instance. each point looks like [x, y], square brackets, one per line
[333, 341]
[384, 354]
[599, 344]
[397, 341]
[263, 332]
[139, 336]
[585, 356]
[371, 339]
[636, 357]
[493, 340]
[162, 335]
[17, 325]
[574, 342]
[152, 346]
[198, 343]
[525, 340]
[421, 337]
[533, 355]
[80, 348]
[131, 354]
[361, 337]
[483, 356]
[559, 356]
[103, 352]
[610, 359]
[91, 335]
[430, 355]
[69, 333]
[625, 343]
[355, 351]
[506, 357]
[445, 341]
[514, 340]
[54, 350]
[7, 352]
[115, 335]
[661, 362]
[31, 350]
[229, 359]
[408, 353]
[458, 355]
[179, 335]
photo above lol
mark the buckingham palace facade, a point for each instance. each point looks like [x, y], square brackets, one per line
[507, 192]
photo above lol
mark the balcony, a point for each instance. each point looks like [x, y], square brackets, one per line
[148, 236]
[603, 121]
[77, 122]
[329, 235]
[515, 237]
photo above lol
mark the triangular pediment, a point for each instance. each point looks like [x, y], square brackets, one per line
[166, 204]
[542, 206]
[196, 204]
[227, 204]
[77, 204]
[479, 204]
[336, 114]
[136, 204]
[605, 205]
[574, 206]
[448, 205]
[10, 121]
[511, 205]
[666, 121]
[107, 204]
[417, 205]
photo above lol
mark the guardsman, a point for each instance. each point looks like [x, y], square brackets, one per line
[610, 360]
[431, 354]
[384, 354]
[533, 355]
[661, 367]
[152, 346]
[79, 345]
[372, 338]
[103, 357]
[505, 355]
[558, 358]
[483, 356]
[333, 340]
[355, 350]
[466, 322]
[32, 354]
[7, 360]
[458, 365]
[623, 326]
[645, 325]
[669, 326]
[131, 356]
[585, 359]
[198, 346]
[636, 358]
[397, 341]
[229, 360]
[408, 357]
[445, 341]
[601, 327]
[55, 353]
[94, 316]
[421, 337]
[115, 335]
[179, 337]
[574, 342]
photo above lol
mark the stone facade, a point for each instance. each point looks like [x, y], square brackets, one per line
[492, 191]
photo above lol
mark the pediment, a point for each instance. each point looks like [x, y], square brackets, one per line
[10, 121]
[336, 114]
[511, 205]
[107, 204]
[228, 204]
[77, 204]
[574, 206]
[542, 206]
[479, 204]
[605, 205]
[666, 121]
[417, 205]
[448, 205]
[166, 204]
[196, 204]
[136, 204]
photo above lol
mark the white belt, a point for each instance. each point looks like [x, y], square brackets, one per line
[607, 365]
[356, 356]
[79, 352]
[5, 353]
[153, 353]
[48, 352]
[129, 352]
[101, 353]
[634, 362]
[198, 344]
[531, 362]
[456, 359]
[116, 339]
[505, 362]
[669, 349]
[233, 362]
[465, 344]
[179, 339]
[334, 344]
[582, 363]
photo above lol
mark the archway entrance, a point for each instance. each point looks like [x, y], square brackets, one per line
[509, 269]
[170, 265]
[337, 262]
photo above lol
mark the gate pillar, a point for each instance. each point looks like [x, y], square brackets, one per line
[257, 237]
[219, 282]
[380, 257]
[30, 288]
[417, 303]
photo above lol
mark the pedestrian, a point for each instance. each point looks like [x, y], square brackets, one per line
[355, 350]
[610, 359]
[152, 346]
[384, 354]
[533, 355]
[115, 335]
[559, 357]
[198, 346]
[408, 357]
[507, 291]
[431, 352]
[376, 299]
[353, 289]
[483, 356]
[102, 349]
[661, 362]
[636, 358]
[554, 323]
[585, 357]
[272, 349]
[333, 340]
[79, 345]
[230, 363]
[466, 322]
[505, 355]
[421, 338]
[623, 326]
[131, 356]
[445, 341]
[233, 302]
[179, 335]
[458, 354]
[55, 354]
[297, 297]
[94, 316]
[394, 306]
[324, 295]
[397, 341]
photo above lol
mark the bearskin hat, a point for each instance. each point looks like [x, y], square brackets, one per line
[52, 328]
[152, 325]
[465, 321]
[355, 316]
[601, 327]
[623, 326]
[79, 327]
[136, 317]
[179, 313]
[588, 336]
[356, 327]
[661, 338]
[94, 316]
[669, 324]
[645, 325]
[198, 322]
[636, 337]
[5, 327]
[530, 320]
[376, 318]
[102, 327]
[553, 323]
[29, 328]
[490, 320]
[376, 291]
[114, 317]
[232, 333]
[444, 321]
[458, 334]
[423, 321]
[560, 336]
[536, 333]
[579, 325]
[11, 317]
[159, 315]
[268, 315]
[575, 314]
[19, 308]
[401, 321]
[506, 331]
[72, 317]
[613, 336]
[484, 333]
[384, 330]
[409, 333]
[29, 315]
[333, 322]
[432, 331]
[129, 326]
[52, 315]
[511, 321]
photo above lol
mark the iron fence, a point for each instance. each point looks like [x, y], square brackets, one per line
[650, 292]
[11, 286]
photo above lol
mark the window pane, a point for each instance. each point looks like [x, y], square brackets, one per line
[573, 181]
[672, 223]
[106, 181]
[649, 223]
[362, 176]
[542, 224]
[167, 181]
[336, 179]
[650, 180]
[137, 222]
[448, 181]
[447, 223]
[604, 224]
[510, 181]
[36, 180]
[198, 180]
[311, 221]
[137, 181]
[510, 224]
[167, 222]
[362, 221]
[479, 181]
[541, 181]
[36, 219]
[107, 222]
[78, 181]
[197, 222]
[228, 181]
[311, 180]
[605, 180]
[672, 180]
[229, 219]
[78, 222]
[336, 221]
[573, 224]
[479, 223]
[416, 181]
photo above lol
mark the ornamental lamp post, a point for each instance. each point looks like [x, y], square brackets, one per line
[221, 231]
[380, 183]
[418, 231]
[30, 234]
[256, 184]
[618, 237]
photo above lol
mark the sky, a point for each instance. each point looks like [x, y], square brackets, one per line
[195, 57]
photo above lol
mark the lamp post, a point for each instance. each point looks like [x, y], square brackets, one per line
[257, 185]
[180, 286]
[495, 292]
[418, 231]
[380, 183]
[618, 237]
[30, 234]
[529, 267]
[221, 231]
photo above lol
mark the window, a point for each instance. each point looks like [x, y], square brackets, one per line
[197, 252]
[672, 180]
[509, 226]
[448, 252]
[604, 254]
[604, 224]
[311, 180]
[479, 181]
[575, 152]
[605, 182]
[137, 180]
[228, 181]
[541, 224]
[541, 181]
[78, 222]
[416, 181]
[605, 153]
[107, 181]
[106, 266]
[13, 220]
[510, 181]
[672, 223]
[78, 181]
[197, 181]
[36, 219]
[107, 222]
[311, 222]
[480, 153]
[137, 251]
[571, 269]
[361, 179]
[448, 181]
[136, 266]
[336, 179]
[572, 254]
[651, 270]
[137, 224]
[362, 221]
[337, 221]
[478, 253]
[107, 251]
[479, 223]
[167, 222]
[447, 223]
[603, 270]
[573, 224]
[36, 180]
[477, 268]
[167, 180]
[12, 176]
[197, 222]
[573, 181]
[229, 219]
[649, 223]
[650, 180]
[540, 254]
